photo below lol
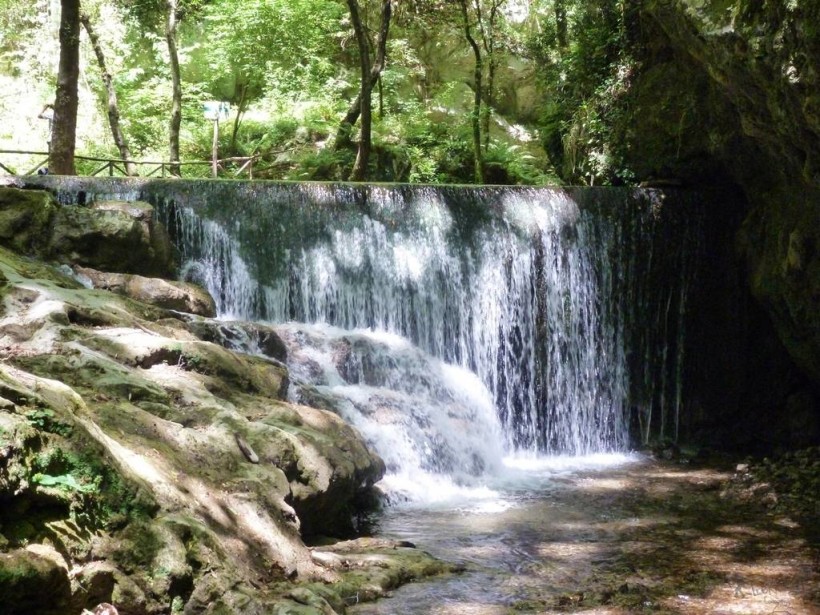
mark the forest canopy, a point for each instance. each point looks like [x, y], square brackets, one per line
[464, 91]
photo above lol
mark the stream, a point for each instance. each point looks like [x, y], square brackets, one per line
[605, 535]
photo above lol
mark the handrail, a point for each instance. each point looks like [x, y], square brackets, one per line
[119, 163]
[120, 160]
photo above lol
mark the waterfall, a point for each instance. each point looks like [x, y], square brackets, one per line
[566, 307]
[538, 296]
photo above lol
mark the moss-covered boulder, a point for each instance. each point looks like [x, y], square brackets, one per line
[25, 219]
[170, 472]
[34, 581]
[171, 295]
[112, 236]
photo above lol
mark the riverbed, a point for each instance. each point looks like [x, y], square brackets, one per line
[640, 536]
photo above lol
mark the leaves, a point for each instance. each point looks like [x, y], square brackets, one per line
[66, 482]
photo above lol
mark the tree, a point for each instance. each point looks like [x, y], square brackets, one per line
[475, 117]
[64, 131]
[176, 81]
[111, 94]
[278, 47]
[489, 36]
[370, 74]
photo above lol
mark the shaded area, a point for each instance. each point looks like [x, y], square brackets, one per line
[651, 537]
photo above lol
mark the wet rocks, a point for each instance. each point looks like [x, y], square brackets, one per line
[112, 236]
[248, 337]
[118, 443]
[787, 483]
[25, 216]
[34, 580]
[180, 296]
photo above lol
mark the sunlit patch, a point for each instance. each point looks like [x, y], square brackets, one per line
[637, 523]
[717, 543]
[746, 530]
[569, 550]
[566, 463]
[410, 260]
[432, 213]
[547, 214]
[764, 570]
[702, 477]
[469, 608]
[743, 601]
[787, 523]
[604, 484]
[43, 308]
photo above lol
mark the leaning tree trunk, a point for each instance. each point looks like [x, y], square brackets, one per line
[113, 107]
[489, 38]
[360, 167]
[478, 160]
[176, 82]
[355, 109]
[240, 110]
[64, 130]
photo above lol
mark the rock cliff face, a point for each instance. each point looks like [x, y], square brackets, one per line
[729, 92]
[149, 461]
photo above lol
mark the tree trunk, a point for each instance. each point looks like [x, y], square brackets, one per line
[113, 107]
[490, 96]
[360, 167]
[64, 132]
[176, 98]
[476, 114]
[355, 109]
[561, 24]
[240, 110]
[488, 35]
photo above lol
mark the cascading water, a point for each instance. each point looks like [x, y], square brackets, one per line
[433, 424]
[563, 310]
[519, 301]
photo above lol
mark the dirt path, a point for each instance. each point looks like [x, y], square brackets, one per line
[647, 538]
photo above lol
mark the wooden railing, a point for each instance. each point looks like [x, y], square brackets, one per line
[148, 168]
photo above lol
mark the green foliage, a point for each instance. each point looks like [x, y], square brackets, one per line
[45, 420]
[274, 45]
[63, 481]
[145, 97]
[289, 69]
[325, 164]
[97, 494]
[583, 82]
[518, 165]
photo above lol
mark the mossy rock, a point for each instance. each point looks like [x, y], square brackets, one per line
[782, 249]
[125, 239]
[25, 216]
[231, 373]
[34, 581]
[170, 295]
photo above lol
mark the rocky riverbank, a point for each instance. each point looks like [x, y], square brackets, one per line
[145, 464]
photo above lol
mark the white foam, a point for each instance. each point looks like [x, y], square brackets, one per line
[567, 463]
[433, 424]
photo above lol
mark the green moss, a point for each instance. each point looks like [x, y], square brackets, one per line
[44, 419]
[137, 546]
[15, 266]
[25, 216]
